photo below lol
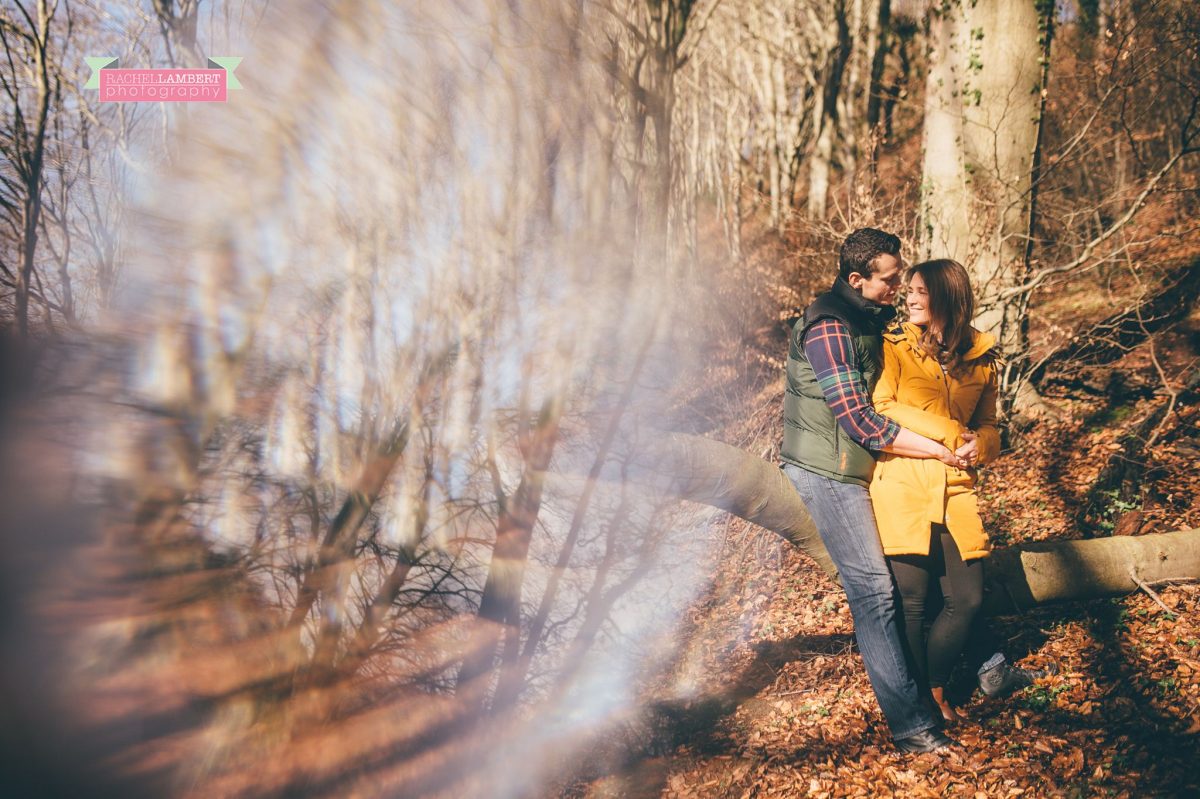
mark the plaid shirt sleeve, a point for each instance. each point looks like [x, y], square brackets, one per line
[830, 350]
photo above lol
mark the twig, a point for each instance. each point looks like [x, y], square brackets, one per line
[1151, 593]
[1040, 276]
[793, 693]
[1162, 374]
[1174, 581]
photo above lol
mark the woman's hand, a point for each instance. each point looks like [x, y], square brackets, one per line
[969, 451]
[949, 458]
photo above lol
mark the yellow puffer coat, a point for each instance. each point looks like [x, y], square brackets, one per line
[909, 494]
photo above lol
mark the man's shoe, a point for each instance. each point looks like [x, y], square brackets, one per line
[1005, 678]
[925, 741]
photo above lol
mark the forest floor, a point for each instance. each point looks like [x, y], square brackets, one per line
[775, 698]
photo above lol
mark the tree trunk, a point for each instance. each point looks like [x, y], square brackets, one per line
[784, 144]
[31, 168]
[730, 194]
[945, 227]
[338, 544]
[902, 35]
[774, 162]
[825, 117]
[500, 605]
[882, 43]
[725, 477]
[1034, 574]
[1001, 135]
[851, 100]
[982, 123]
[662, 116]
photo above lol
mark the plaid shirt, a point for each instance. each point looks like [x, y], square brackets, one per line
[830, 351]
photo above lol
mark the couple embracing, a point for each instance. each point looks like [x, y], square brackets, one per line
[884, 424]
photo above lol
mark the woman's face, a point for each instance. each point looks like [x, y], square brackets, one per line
[917, 301]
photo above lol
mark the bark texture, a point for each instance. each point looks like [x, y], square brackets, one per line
[983, 115]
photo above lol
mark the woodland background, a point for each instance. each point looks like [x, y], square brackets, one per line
[335, 417]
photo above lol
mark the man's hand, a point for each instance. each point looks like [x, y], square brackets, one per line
[969, 451]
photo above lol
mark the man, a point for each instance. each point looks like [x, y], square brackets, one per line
[830, 434]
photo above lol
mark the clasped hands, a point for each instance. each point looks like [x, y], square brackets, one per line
[967, 455]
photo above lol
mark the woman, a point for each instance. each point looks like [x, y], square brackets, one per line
[939, 380]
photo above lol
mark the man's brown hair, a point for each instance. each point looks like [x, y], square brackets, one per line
[861, 248]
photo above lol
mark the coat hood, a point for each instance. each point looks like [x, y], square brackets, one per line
[981, 343]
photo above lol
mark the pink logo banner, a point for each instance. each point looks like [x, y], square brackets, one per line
[163, 85]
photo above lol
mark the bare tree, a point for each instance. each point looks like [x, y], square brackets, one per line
[987, 188]
[32, 80]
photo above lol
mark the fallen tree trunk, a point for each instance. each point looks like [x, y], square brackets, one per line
[725, 477]
[1034, 574]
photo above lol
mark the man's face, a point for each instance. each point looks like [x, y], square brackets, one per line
[883, 283]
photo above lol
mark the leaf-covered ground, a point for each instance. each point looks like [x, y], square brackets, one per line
[771, 698]
[786, 710]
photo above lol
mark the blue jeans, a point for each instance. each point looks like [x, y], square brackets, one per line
[844, 518]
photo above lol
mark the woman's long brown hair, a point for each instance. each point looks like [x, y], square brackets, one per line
[951, 308]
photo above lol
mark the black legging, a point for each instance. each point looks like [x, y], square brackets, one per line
[962, 590]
